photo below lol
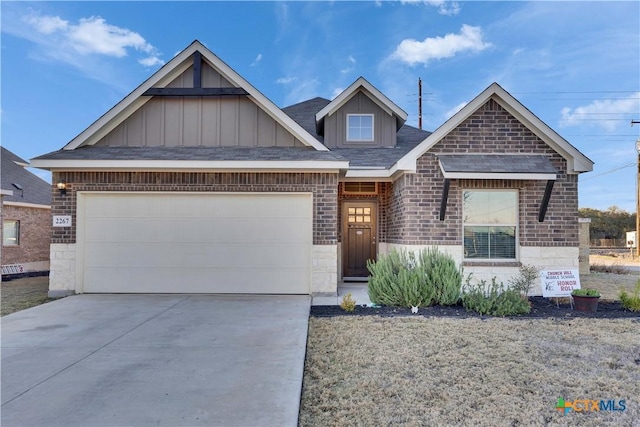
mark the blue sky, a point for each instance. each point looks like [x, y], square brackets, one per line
[576, 65]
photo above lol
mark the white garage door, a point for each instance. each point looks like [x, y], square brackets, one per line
[195, 243]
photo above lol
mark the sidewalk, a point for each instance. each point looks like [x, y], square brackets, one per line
[358, 291]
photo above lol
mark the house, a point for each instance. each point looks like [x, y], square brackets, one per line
[26, 218]
[196, 182]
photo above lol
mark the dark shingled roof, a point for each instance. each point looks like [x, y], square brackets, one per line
[496, 163]
[193, 153]
[34, 189]
[408, 137]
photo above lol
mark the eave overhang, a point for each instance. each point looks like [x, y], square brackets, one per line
[189, 165]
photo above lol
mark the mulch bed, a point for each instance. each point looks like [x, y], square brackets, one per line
[540, 308]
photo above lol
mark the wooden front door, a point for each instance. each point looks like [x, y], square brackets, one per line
[359, 221]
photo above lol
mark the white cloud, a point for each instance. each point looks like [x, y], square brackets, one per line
[349, 68]
[468, 40]
[448, 8]
[454, 110]
[602, 113]
[337, 91]
[151, 61]
[47, 24]
[257, 60]
[90, 36]
[285, 80]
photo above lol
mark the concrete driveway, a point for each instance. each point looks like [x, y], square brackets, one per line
[169, 360]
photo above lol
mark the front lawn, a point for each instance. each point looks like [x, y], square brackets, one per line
[20, 294]
[374, 371]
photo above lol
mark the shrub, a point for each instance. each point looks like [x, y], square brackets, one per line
[348, 303]
[527, 276]
[631, 302]
[442, 275]
[495, 300]
[404, 280]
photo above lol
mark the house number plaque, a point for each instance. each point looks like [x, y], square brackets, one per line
[62, 220]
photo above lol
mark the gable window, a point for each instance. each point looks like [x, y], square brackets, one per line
[490, 221]
[10, 233]
[359, 127]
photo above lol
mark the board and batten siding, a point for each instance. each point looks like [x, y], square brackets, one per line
[200, 121]
[335, 126]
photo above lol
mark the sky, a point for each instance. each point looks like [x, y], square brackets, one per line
[575, 65]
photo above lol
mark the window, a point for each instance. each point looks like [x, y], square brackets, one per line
[359, 127]
[359, 215]
[490, 220]
[10, 233]
[359, 187]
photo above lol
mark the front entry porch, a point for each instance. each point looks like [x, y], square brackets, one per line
[358, 291]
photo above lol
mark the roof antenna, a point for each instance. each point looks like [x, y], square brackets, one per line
[419, 103]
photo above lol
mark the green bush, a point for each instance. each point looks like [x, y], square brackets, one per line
[442, 275]
[404, 280]
[494, 300]
[631, 302]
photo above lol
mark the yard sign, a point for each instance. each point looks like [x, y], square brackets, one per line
[559, 282]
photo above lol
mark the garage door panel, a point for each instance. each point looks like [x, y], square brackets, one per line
[223, 205]
[145, 255]
[263, 281]
[218, 230]
[204, 243]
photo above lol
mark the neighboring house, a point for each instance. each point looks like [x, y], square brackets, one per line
[26, 218]
[196, 182]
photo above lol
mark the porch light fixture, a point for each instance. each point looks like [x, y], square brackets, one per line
[62, 187]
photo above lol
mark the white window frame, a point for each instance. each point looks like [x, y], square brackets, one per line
[516, 225]
[373, 127]
[17, 232]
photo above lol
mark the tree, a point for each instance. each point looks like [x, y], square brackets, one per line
[612, 223]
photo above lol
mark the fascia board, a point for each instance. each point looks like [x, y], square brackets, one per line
[49, 164]
[26, 205]
[518, 176]
[368, 173]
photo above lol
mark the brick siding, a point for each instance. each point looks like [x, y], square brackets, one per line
[35, 230]
[415, 198]
[324, 187]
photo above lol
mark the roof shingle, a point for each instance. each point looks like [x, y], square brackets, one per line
[28, 188]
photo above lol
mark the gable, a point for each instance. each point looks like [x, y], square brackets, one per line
[361, 85]
[384, 124]
[576, 162]
[176, 80]
[172, 121]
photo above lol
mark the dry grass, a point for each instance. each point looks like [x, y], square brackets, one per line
[19, 294]
[443, 372]
[610, 285]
